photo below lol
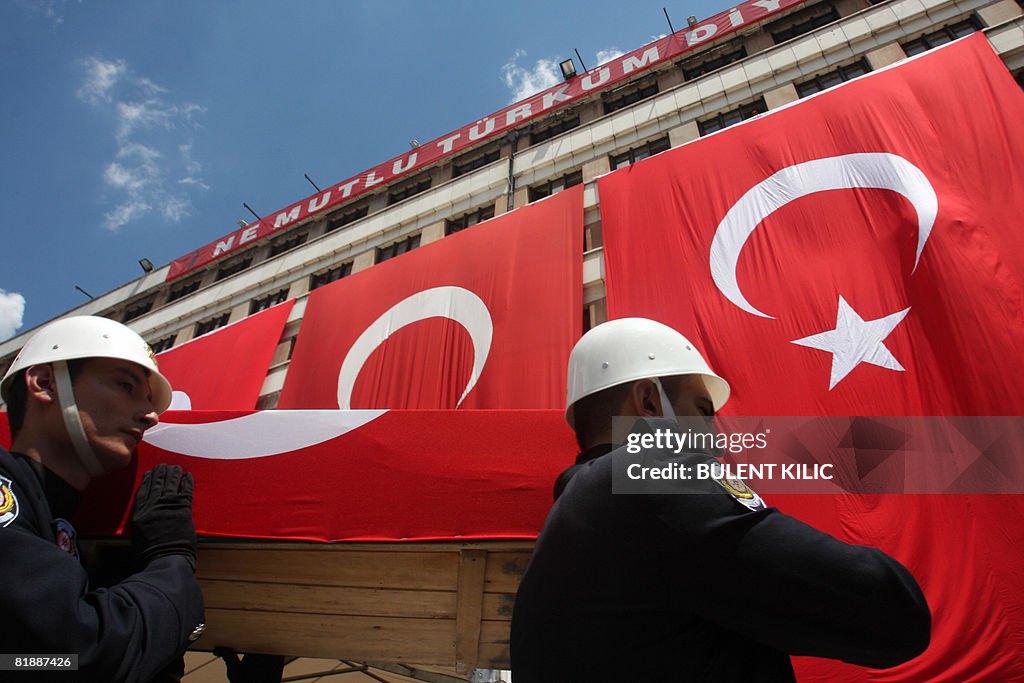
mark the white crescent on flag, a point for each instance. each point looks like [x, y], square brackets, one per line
[454, 303]
[259, 435]
[851, 171]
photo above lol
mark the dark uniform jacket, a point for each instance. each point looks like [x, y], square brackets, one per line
[128, 632]
[710, 586]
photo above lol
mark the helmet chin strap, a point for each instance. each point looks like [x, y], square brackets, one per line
[666, 405]
[72, 420]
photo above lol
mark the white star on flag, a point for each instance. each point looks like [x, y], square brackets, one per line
[855, 341]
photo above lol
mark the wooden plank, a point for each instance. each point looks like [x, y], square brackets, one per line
[447, 604]
[303, 599]
[331, 566]
[505, 569]
[472, 567]
[386, 639]
[498, 606]
[494, 645]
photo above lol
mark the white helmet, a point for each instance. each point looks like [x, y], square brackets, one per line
[630, 349]
[86, 337]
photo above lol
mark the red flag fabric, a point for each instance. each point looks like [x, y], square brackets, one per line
[369, 475]
[225, 369]
[484, 318]
[859, 252]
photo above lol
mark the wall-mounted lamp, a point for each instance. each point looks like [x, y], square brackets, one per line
[146, 264]
[568, 69]
[691, 20]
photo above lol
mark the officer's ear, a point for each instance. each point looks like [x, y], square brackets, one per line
[40, 384]
[644, 398]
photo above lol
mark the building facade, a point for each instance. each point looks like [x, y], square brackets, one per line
[721, 79]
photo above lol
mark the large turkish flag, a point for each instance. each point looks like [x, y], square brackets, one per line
[225, 369]
[860, 252]
[484, 318]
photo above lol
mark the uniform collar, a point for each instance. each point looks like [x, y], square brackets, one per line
[62, 496]
[594, 452]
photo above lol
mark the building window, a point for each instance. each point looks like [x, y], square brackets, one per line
[328, 276]
[161, 345]
[697, 67]
[550, 130]
[268, 402]
[623, 97]
[468, 163]
[1020, 78]
[826, 81]
[183, 289]
[211, 324]
[801, 22]
[265, 302]
[399, 247]
[337, 220]
[233, 266]
[638, 153]
[138, 309]
[286, 242]
[946, 34]
[472, 218]
[555, 186]
[726, 119]
[409, 190]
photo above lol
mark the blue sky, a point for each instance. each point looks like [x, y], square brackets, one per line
[137, 129]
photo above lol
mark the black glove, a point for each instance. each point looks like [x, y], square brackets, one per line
[162, 522]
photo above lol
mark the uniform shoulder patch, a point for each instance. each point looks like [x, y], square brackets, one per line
[66, 536]
[8, 502]
[742, 493]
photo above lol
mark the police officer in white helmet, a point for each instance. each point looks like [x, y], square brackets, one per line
[714, 587]
[79, 397]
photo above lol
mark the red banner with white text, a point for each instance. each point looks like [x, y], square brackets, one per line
[490, 127]
[484, 318]
[225, 369]
[860, 253]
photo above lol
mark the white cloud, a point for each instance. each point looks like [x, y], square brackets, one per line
[175, 210]
[192, 168]
[526, 81]
[128, 210]
[12, 312]
[608, 55]
[52, 10]
[100, 79]
[146, 176]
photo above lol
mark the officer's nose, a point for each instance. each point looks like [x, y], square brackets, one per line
[148, 417]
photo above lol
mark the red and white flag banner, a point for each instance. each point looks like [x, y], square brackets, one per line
[484, 318]
[363, 475]
[859, 252]
[225, 369]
